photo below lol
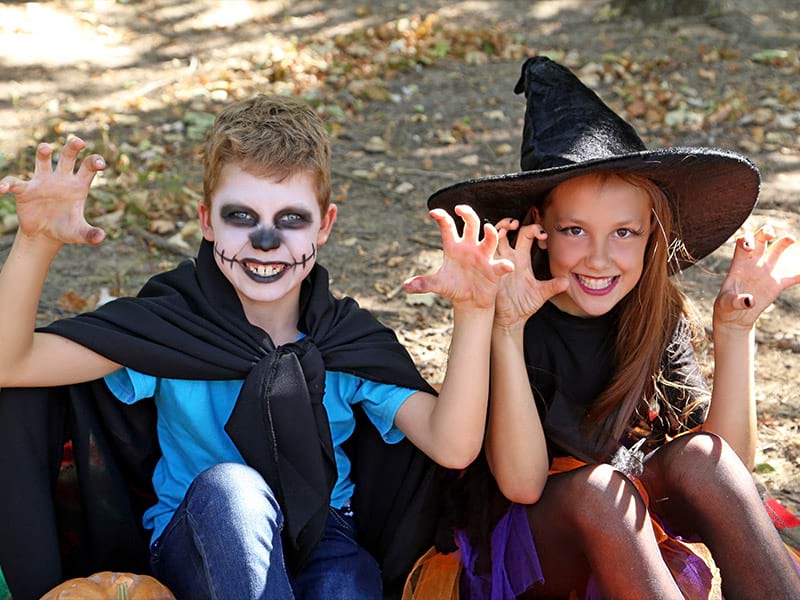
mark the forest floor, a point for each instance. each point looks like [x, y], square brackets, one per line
[418, 95]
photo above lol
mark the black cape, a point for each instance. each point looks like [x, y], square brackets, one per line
[189, 324]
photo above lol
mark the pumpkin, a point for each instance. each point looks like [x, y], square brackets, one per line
[110, 586]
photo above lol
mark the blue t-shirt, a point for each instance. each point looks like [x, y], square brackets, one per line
[192, 417]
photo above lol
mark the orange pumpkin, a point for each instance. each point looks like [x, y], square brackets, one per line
[110, 586]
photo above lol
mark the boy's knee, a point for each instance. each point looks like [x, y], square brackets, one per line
[233, 487]
[359, 577]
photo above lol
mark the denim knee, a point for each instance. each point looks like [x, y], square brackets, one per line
[233, 492]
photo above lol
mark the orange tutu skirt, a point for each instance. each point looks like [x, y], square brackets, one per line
[437, 576]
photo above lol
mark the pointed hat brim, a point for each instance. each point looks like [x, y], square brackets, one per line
[711, 191]
[569, 131]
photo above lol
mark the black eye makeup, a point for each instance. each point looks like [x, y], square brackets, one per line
[292, 219]
[235, 214]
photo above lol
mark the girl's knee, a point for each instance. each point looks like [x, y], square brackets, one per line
[601, 494]
[694, 461]
[697, 468]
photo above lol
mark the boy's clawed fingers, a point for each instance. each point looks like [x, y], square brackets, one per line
[90, 166]
[93, 235]
[12, 185]
[44, 158]
[66, 162]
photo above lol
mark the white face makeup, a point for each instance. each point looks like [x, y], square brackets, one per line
[597, 234]
[266, 234]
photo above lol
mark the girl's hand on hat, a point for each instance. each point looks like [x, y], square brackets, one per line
[470, 274]
[51, 204]
[521, 294]
[762, 267]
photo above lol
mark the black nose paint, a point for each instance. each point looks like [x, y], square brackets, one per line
[265, 238]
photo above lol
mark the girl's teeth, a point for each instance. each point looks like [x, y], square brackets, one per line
[596, 283]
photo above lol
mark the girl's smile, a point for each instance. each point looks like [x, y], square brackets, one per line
[597, 286]
[597, 229]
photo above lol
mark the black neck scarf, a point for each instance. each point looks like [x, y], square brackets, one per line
[188, 323]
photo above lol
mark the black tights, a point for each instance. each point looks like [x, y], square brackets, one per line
[593, 521]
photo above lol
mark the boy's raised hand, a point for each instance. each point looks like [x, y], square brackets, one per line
[51, 204]
[762, 267]
[521, 294]
[470, 274]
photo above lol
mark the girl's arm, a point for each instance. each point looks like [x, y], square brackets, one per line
[515, 442]
[760, 270]
[50, 210]
[450, 428]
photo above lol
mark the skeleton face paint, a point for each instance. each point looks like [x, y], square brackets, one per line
[265, 234]
[265, 238]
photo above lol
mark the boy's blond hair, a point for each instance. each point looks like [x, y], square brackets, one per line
[269, 136]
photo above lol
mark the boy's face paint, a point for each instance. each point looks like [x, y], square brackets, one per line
[265, 238]
[265, 234]
[597, 232]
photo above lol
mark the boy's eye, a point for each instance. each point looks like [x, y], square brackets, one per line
[292, 219]
[239, 217]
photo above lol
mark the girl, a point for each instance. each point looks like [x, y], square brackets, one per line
[601, 433]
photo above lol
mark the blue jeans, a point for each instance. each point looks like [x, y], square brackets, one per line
[224, 542]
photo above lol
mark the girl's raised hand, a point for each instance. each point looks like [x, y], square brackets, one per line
[470, 274]
[762, 267]
[521, 294]
[51, 204]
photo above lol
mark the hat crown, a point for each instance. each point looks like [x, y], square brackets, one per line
[566, 122]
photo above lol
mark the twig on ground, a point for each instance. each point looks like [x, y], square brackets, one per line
[163, 244]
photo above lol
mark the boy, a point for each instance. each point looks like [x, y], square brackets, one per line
[255, 369]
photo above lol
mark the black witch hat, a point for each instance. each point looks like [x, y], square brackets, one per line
[569, 131]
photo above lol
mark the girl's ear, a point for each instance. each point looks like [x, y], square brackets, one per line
[537, 218]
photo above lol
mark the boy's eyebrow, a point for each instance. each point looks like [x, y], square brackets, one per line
[231, 206]
[301, 210]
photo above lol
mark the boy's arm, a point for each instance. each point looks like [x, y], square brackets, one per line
[450, 429]
[759, 272]
[50, 211]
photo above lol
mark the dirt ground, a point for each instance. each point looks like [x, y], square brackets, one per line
[133, 77]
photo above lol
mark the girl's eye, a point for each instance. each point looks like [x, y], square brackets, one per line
[623, 233]
[573, 230]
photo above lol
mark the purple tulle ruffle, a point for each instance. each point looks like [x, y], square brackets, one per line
[515, 564]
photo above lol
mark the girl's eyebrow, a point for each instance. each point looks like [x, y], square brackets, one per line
[583, 222]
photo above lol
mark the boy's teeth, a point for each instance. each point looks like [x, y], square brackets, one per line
[265, 270]
[595, 283]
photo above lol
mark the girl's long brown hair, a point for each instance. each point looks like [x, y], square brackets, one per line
[647, 319]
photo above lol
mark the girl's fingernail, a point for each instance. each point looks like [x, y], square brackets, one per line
[100, 163]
